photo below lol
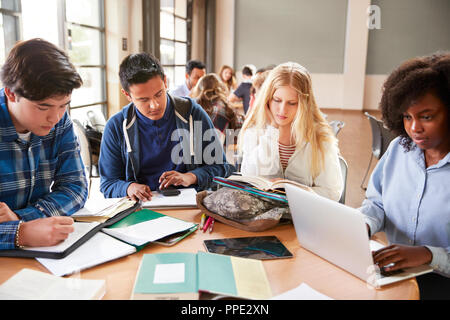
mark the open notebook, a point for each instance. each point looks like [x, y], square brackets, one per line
[186, 199]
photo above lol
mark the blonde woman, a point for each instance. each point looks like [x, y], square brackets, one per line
[228, 77]
[286, 136]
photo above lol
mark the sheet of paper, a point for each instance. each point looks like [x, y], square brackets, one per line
[152, 230]
[29, 284]
[250, 277]
[97, 250]
[81, 228]
[187, 198]
[302, 292]
[169, 273]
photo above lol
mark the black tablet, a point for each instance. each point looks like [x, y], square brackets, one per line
[261, 248]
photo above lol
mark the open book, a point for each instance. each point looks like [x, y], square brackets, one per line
[102, 209]
[259, 186]
[265, 183]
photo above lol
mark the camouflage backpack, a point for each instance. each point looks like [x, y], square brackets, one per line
[243, 210]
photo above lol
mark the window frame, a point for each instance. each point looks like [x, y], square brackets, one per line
[102, 66]
[18, 25]
[188, 42]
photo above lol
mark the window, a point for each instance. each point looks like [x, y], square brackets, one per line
[85, 45]
[76, 26]
[175, 33]
[10, 14]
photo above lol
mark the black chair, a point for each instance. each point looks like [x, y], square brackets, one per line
[381, 137]
[344, 169]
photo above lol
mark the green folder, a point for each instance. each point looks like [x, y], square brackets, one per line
[148, 215]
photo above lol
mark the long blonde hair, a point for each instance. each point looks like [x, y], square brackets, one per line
[308, 126]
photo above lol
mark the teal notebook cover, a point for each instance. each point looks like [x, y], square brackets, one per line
[216, 274]
[150, 280]
[202, 272]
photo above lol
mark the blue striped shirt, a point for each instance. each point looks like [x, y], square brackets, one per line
[411, 203]
[39, 178]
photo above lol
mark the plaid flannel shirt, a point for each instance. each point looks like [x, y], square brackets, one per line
[41, 178]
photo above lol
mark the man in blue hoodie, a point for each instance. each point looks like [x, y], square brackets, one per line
[157, 140]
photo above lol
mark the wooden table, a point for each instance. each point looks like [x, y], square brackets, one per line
[283, 274]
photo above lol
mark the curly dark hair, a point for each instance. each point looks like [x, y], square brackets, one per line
[411, 81]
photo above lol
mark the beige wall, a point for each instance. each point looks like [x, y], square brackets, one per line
[224, 33]
[352, 89]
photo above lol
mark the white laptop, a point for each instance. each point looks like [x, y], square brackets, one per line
[339, 234]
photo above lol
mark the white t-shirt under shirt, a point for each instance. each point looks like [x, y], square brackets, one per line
[25, 136]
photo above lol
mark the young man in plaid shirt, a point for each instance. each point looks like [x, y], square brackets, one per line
[42, 179]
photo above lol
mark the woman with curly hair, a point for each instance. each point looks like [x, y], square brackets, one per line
[211, 94]
[408, 195]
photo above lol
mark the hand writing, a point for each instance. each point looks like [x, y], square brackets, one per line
[45, 232]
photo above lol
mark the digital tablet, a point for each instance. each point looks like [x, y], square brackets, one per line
[262, 248]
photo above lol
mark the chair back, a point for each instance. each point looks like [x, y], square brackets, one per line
[344, 169]
[337, 125]
[381, 136]
[97, 120]
[85, 149]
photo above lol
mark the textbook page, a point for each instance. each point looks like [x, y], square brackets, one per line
[266, 183]
[187, 199]
[80, 229]
[99, 249]
[101, 210]
[96, 207]
[29, 284]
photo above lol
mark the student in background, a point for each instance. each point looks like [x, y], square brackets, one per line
[242, 93]
[194, 71]
[140, 146]
[211, 94]
[256, 85]
[42, 179]
[286, 136]
[408, 195]
[228, 77]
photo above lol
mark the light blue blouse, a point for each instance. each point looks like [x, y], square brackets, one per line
[411, 203]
